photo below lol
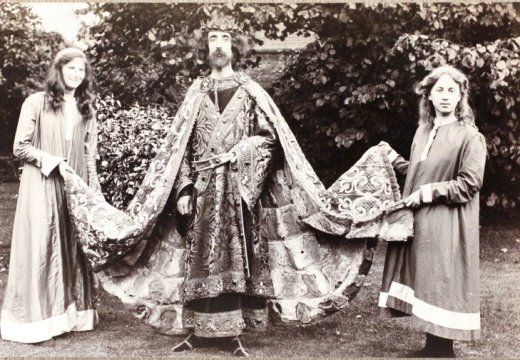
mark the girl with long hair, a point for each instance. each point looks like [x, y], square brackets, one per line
[434, 277]
[50, 290]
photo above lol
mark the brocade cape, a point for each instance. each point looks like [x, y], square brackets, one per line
[318, 253]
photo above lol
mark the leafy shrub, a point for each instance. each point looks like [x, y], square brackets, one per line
[493, 70]
[127, 142]
[25, 54]
[354, 85]
[8, 169]
[352, 88]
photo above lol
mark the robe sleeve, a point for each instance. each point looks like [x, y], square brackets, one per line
[184, 182]
[468, 180]
[23, 148]
[91, 154]
[254, 157]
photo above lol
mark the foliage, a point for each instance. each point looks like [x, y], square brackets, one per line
[147, 52]
[25, 53]
[127, 141]
[493, 71]
[8, 169]
[354, 86]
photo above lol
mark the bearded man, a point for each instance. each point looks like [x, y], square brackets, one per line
[231, 217]
[225, 276]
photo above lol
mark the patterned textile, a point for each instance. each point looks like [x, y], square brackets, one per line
[222, 324]
[226, 255]
[256, 319]
[309, 269]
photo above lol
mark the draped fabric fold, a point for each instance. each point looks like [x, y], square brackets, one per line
[317, 253]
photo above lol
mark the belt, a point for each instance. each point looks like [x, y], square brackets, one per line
[212, 162]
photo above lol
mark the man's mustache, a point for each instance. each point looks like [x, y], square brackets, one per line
[218, 53]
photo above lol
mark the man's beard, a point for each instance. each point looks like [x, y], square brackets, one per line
[219, 59]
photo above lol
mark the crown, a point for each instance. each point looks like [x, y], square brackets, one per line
[221, 24]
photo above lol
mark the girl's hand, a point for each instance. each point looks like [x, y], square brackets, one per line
[414, 200]
[65, 170]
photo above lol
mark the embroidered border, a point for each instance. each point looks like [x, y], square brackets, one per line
[223, 324]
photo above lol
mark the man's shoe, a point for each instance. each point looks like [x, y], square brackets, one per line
[187, 344]
[238, 348]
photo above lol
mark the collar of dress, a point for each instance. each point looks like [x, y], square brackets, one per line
[437, 123]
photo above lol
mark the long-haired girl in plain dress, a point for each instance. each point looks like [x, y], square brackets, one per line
[50, 290]
[434, 277]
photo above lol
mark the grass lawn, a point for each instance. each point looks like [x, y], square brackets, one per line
[355, 332]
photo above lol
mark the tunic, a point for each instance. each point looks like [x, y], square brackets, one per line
[227, 272]
[49, 289]
[434, 277]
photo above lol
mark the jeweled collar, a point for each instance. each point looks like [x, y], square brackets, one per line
[237, 79]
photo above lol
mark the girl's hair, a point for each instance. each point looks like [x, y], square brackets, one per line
[55, 87]
[426, 110]
[240, 47]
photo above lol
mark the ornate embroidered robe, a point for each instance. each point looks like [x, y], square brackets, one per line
[226, 255]
[264, 227]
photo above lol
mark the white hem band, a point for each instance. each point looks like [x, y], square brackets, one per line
[37, 331]
[430, 313]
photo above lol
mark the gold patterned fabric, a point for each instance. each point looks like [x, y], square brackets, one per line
[294, 242]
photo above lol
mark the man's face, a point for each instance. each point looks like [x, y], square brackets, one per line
[220, 54]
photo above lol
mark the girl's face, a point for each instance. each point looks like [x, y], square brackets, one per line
[73, 73]
[445, 95]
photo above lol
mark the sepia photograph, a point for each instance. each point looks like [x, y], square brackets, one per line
[260, 179]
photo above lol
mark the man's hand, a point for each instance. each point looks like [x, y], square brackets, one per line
[230, 156]
[185, 205]
[414, 200]
[65, 170]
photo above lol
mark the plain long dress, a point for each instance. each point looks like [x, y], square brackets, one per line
[434, 277]
[50, 289]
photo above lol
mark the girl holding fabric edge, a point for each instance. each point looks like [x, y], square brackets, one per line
[434, 277]
[50, 290]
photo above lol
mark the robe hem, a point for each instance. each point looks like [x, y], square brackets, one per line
[221, 324]
[430, 318]
[46, 329]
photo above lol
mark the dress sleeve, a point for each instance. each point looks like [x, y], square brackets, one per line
[91, 153]
[468, 180]
[401, 164]
[398, 162]
[23, 148]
